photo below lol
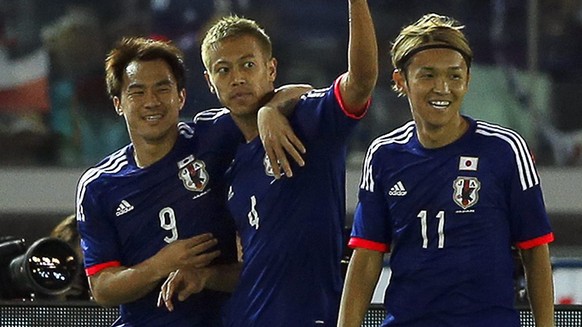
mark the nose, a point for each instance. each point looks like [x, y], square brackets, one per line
[238, 77]
[441, 86]
[151, 98]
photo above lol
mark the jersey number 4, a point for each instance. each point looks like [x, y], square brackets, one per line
[440, 228]
[253, 215]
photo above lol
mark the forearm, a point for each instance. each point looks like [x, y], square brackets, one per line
[362, 73]
[540, 287]
[223, 278]
[363, 273]
[119, 285]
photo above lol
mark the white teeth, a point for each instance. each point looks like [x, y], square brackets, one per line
[153, 117]
[440, 104]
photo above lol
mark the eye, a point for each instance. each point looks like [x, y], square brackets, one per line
[164, 89]
[135, 93]
[249, 64]
[222, 70]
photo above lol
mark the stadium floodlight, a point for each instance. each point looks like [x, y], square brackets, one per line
[46, 268]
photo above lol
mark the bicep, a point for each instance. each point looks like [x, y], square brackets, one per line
[536, 257]
[367, 262]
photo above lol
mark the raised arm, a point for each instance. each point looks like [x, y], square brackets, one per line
[359, 82]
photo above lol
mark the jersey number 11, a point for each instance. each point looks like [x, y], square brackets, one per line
[424, 227]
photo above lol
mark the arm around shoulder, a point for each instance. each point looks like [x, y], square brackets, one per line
[277, 136]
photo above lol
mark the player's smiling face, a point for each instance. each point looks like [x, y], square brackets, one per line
[436, 82]
[240, 73]
[150, 101]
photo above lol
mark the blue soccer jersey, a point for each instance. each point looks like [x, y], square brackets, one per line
[450, 216]
[126, 214]
[291, 229]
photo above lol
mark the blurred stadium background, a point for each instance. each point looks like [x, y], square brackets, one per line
[56, 120]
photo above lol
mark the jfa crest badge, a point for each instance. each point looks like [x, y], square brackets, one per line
[268, 166]
[466, 191]
[193, 174]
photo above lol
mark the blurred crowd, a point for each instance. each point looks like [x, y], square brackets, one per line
[54, 110]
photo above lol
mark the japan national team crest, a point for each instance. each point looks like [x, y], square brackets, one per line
[466, 191]
[193, 174]
[268, 166]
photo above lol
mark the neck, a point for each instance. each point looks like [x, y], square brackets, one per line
[432, 137]
[248, 126]
[147, 153]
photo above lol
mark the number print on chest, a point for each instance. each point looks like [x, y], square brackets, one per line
[253, 214]
[168, 222]
[423, 215]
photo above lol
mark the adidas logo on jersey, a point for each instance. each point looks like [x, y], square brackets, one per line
[123, 208]
[397, 190]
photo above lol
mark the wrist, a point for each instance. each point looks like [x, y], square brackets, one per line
[208, 277]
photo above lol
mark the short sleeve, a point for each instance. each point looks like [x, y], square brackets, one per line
[371, 228]
[98, 235]
[530, 225]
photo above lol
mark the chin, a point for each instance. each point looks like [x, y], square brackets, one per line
[244, 110]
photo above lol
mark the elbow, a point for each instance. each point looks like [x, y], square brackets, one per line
[363, 91]
[100, 293]
[103, 300]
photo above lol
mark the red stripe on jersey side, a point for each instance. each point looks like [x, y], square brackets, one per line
[545, 239]
[338, 96]
[356, 242]
[97, 268]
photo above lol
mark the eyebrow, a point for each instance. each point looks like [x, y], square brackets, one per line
[244, 57]
[163, 82]
[433, 68]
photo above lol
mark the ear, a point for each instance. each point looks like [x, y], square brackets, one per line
[272, 68]
[117, 106]
[182, 97]
[399, 80]
[210, 86]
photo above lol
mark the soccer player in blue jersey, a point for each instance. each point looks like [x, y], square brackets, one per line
[448, 196]
[158, 204]
[290, 228]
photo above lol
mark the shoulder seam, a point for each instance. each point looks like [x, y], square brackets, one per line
[400, 135]
[114, 164]
[528, 175]
[210, 114]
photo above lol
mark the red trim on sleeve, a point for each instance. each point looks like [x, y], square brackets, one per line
[338, 96]
[97, 268]
[545, 239]
[356, 242]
